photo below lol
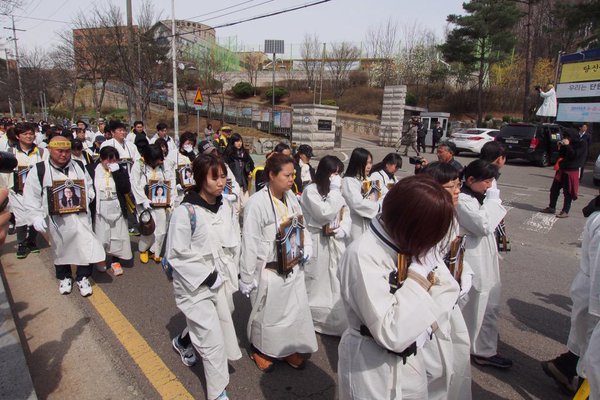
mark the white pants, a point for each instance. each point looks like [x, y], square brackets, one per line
[582, 322]
[481, 317]
[591, 364]
[154, 242]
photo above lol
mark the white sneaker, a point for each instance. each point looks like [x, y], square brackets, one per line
[65, 286]
[84, 287]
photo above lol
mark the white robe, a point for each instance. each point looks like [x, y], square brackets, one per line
[320, 272]
[110, 225]
[73, 241]
[361, 210]
[230, 235]
[170, 143]
[548, 107]
[366, 369]
[127, 151]
[479, 223]
[141, 174]
[386, 181]
[280, 323]
[193, 257]
[15, 202]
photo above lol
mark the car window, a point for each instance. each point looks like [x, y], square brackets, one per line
[472, 132]
[493, 133]
[519, 131]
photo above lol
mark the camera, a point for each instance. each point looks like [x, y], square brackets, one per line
[415, 160]
[8, 162]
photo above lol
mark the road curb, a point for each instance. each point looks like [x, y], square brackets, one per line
[15, 378]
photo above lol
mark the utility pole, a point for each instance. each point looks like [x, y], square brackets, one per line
[14, 38]
[174, 56]
[132, 93]
[322, 66]
[10, 104]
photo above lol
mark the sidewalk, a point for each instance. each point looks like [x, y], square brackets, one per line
[67, 355]
[15, 381]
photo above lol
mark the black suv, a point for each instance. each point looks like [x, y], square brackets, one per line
[534, 142]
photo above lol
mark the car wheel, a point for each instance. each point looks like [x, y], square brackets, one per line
[596, 182]
[544, 160]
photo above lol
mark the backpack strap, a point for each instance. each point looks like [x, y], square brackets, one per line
[41, 171]
[192, 215]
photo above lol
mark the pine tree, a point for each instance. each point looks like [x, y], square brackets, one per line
[482, 37]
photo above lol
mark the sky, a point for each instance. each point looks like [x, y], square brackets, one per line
[333, 21]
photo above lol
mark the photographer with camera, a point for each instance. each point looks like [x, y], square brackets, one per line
[572, 152]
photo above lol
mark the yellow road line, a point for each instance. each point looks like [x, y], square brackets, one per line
[159, 375]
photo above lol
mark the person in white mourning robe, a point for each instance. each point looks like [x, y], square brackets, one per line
[183, 164]
[479, 212]
[568, 367]
[280, 324]
[111, 184]
[392, 292]
[385, 171]
[328, 221]
[72, 239]
[27, 155]
[362, 204]
[195, 254]
[128, 152]
[146, 171]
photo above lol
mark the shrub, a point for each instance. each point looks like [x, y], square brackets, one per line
[358, 78]
[242, 90]
[329, 102]
[411, 99]
[506, 118]
[279, 93]
[489, 117]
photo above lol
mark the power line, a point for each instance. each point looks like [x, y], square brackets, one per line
[286, 10]
[236, 11]
[39, 19]
[221, 9]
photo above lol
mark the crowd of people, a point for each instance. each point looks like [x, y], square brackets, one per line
[405, 271]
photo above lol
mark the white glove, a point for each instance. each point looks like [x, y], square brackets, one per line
[146, 205]
[247, 288]
[232, 198]
[307, 252]
[492, 194]
[339, 233]
[335, 182]
[423, 338]
[466, 282]
[113, 167]
[39, 224]
[218, 282]
[179, 187]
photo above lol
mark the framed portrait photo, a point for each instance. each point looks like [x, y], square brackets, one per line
[371, 190]
[20, 178]
[186, 176]
[68, 196]
[328, 230]
[290, 244]
[159, 193]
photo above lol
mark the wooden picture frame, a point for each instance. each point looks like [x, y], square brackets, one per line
[186, 176]
[68, 196]
[20, 178]
[328, 230]
[290, 244]
[159, 193]
[371, 190]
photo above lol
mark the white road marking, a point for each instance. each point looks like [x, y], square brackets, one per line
[539, 222]
[345, 156]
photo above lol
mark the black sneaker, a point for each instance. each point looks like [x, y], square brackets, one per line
[22, 251]
[493, 361]
[548, 210]
[33, 248]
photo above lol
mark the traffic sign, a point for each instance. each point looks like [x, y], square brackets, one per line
[198, 98]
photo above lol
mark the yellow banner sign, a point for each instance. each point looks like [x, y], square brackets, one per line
[580, 72]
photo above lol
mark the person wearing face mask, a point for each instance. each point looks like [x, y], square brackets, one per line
[111, 184]
[183, 163]
[305, 173]
[447, 355]
[385, 171]
[328, 221]
[280, 324]
[362, 207]
[479, 212]
[151, 168]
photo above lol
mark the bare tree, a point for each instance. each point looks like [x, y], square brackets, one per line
[252, 62]
[7, 7]
[340, 59]
[65, 78]
[310, 52]
[382, 47]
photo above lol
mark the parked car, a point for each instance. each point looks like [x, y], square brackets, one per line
[534, 142]
[473, 139]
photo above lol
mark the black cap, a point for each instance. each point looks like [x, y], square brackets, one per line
[306, 150]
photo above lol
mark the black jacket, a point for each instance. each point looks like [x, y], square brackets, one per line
[122, 183]
[574, 154]
[241, 165]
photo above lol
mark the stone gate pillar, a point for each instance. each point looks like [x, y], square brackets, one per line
[392, 115]
[314, 124]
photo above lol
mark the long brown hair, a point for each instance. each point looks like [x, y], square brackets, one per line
[417, 214]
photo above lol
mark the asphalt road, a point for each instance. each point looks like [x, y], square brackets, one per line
[534, 322]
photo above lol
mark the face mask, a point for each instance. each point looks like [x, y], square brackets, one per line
[188, 148]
